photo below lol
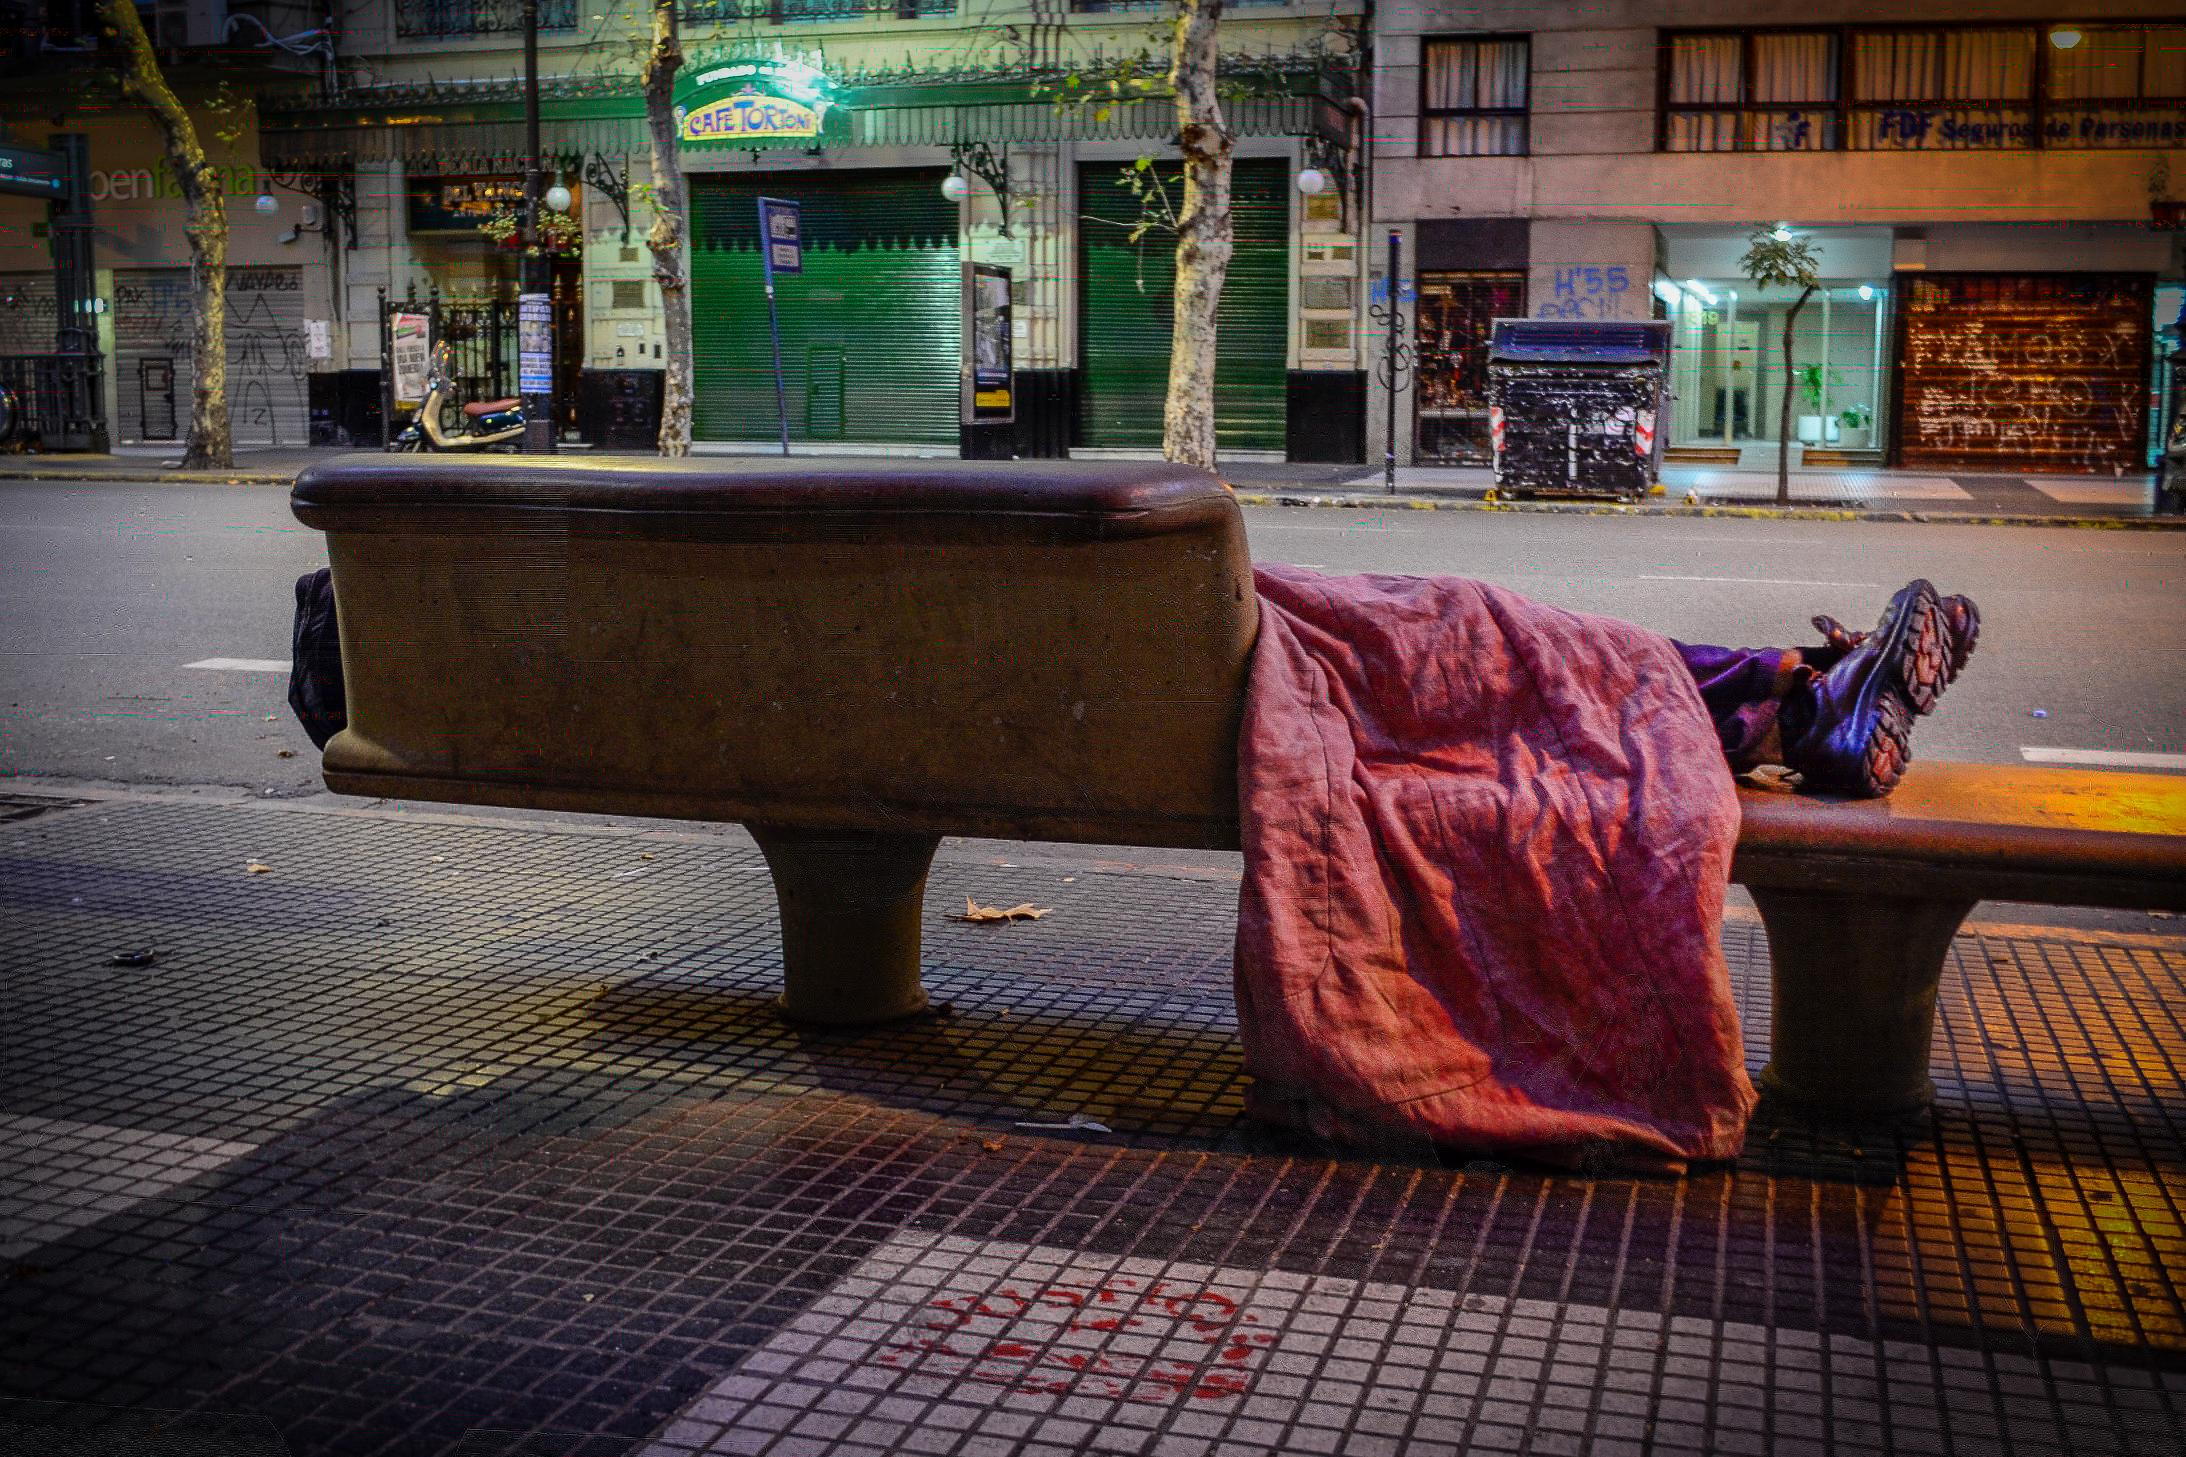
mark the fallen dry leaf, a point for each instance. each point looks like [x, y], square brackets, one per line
[992, 1145]
[257, 867]
[973, 911]
[285, 754]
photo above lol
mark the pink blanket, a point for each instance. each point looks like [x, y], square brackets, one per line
[1486, 844]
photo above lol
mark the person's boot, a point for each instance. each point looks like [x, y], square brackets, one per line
[1849, 730]
[1961, 621]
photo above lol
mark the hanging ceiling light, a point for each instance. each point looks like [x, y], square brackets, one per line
[2064, 37]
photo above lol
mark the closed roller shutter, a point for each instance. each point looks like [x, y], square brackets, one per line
[2025, 372]
[1127, 304]
[151, 353]
[267, 388]
[871, 330]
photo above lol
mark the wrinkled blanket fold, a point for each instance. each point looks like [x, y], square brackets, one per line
[1486, 846]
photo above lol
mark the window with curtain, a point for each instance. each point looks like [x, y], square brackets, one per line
[1926, 88]
[1944, 90]
[1758, 91]
[1473, 97]
[2121, 86]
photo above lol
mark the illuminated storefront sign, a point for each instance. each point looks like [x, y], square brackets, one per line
[739, 100]
[749, 115]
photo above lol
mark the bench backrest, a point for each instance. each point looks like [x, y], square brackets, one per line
[1044, 650]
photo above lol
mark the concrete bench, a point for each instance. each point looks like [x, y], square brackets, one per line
[853, 666]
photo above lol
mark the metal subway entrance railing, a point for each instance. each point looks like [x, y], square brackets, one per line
[50, 402]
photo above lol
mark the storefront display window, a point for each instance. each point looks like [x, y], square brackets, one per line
[1727, 364]
[1455, 311]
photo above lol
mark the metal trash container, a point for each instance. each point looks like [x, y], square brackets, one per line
[1573, 405]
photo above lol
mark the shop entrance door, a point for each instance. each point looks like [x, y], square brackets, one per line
[1455, 310]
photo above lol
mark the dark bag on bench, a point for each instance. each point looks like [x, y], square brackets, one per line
[315, 675]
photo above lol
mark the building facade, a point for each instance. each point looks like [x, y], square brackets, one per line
[917, 137]
[1992, 189]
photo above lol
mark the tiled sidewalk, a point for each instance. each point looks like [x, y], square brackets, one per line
[482, 1138]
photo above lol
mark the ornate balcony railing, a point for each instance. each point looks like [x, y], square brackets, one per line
[452, 19]
[794, 12]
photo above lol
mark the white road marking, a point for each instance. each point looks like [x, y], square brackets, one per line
[1759, 581]
[242, 665]
[2104, 758]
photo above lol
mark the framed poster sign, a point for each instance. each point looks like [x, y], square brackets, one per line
[990, 396]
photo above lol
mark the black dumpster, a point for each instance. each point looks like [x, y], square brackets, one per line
[1573, 405]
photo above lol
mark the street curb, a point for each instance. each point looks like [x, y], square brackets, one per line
[1680, 511]
[1665, 509]
[157, 477]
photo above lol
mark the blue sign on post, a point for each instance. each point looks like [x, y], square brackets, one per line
[781, 250]
[779, 236]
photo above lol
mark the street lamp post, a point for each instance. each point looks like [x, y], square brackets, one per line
[535, 286]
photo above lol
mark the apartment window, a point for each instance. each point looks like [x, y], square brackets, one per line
[1765, 91]
[1944, 90]
[2121, 86]
[1473, 97]
[1925, 88]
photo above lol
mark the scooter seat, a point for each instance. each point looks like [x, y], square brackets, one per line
[489, 407]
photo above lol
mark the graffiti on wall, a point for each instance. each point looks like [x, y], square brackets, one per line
[1586, 291]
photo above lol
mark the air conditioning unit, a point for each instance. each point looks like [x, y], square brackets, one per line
[180, 25]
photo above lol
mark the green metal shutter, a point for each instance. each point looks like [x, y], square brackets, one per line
[1126, 306]
[871, 330]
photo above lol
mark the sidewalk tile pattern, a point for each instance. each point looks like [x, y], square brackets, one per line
[505, 1152]
[1836, 487]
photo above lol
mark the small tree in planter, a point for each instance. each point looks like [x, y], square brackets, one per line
[1776, 259]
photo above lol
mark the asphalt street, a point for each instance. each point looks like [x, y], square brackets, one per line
[115, 594]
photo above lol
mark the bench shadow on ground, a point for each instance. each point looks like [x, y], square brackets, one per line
[1151, 1085]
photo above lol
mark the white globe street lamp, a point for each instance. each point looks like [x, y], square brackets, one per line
[955, 188]
[557, 198]
[1312, 181]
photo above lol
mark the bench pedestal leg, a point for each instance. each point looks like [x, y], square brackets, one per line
[850, 921]
[1855, 998]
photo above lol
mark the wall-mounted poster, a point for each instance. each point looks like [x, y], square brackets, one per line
[989, 393]
[410, 340]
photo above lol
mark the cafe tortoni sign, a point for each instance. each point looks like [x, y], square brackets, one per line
[737, 100]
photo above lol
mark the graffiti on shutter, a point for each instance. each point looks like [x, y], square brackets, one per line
[267, 366]
[2037, 372]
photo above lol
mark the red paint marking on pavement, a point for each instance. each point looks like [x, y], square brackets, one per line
[976, 1341]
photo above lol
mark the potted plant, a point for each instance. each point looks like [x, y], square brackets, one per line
[559, 233]
[1856, 417]
[1815, 428]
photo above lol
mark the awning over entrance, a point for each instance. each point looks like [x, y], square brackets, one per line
[481, 128]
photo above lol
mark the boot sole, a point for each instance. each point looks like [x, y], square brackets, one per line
[1890, 748]
[1923, 662]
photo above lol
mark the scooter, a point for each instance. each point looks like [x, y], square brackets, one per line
[487, 424]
